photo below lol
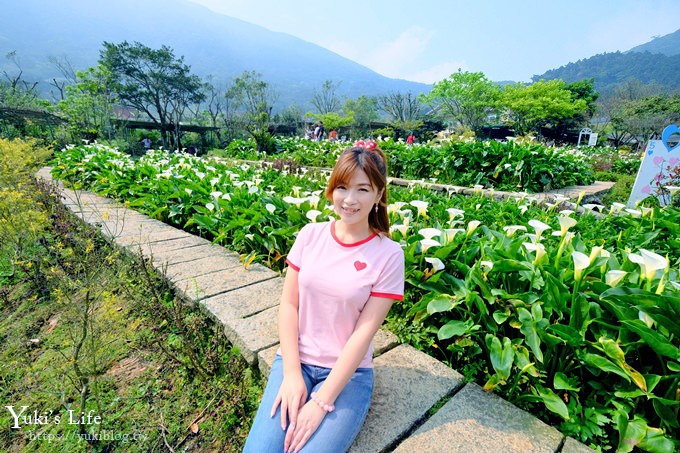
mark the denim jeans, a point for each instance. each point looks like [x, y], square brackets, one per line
[338, 429]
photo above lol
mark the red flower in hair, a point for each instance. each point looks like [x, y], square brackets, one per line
[368, 144]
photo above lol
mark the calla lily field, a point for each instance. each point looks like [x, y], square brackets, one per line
[575, 318]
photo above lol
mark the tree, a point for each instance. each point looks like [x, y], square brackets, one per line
[465, 98]
[528, 108]
[154, 82]
[254, 100]
[644, 119]
[15, 91]
[364, 110]
[89, 103]
[326, 101]
[400, 107]
[333, 120]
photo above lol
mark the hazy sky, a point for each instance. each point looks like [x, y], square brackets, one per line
[427, 40]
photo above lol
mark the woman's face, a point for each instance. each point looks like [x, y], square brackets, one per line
[354, 200]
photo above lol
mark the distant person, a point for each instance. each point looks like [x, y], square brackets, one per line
[410, 139]
[333, 136]
[147, 143]
[321, 132]
[315, 134]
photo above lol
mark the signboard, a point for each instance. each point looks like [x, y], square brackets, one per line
[592, 139]
[660, 161]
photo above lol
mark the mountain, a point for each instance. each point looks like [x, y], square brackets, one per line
[656, 62]
[212, 44]
[668, 45]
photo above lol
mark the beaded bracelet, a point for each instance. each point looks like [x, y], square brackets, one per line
[322, 405]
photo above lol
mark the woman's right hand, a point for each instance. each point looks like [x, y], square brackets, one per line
[292, 396]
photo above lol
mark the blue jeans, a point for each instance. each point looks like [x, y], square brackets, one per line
[338, 429]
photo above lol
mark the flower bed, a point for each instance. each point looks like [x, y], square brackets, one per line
[574, 319]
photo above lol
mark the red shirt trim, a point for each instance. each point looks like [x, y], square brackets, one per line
[363, 241]
[297, 268]
[388, 296]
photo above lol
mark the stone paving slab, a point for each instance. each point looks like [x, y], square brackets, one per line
[168, 256]
[476, 418]
[574, 446]
[245, 302]
[204, 286]
[198, 267]
[253, 334]
[408, 383]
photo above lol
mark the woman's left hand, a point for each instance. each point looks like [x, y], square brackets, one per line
[309, 419]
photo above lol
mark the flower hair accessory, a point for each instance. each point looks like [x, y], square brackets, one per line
[368, 144]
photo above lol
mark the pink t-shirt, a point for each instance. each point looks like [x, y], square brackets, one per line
[334, 283]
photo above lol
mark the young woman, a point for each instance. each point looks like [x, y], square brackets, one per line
[341, 280]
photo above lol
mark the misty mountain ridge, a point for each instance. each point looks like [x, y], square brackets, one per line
[222, 47]
[212, 44]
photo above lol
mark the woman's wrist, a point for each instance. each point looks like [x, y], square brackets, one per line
[322, 404]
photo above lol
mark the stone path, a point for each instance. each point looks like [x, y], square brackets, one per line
[419, 404]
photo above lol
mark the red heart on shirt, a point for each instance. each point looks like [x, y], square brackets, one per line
[359, 266]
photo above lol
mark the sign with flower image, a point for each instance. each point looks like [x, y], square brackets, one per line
[659, 173]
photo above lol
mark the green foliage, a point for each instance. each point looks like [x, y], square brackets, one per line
[543, 103]
[87, 328]
[466, 98]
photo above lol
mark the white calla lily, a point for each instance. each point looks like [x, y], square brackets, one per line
[512, 229]
[436, 263]
[429, 233]
[312, 214]
[270, 207]
[614, 277]
[540, 227]
[472, 226]
[400, 228]
[427, 243]
[581, 262]
[421, 206]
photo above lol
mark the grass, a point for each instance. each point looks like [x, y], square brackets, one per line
[94, 335]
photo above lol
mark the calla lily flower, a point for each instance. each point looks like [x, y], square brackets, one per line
[210, 207]
[451, 233]
[616, 208]
[488, 265]
[296, 190]
[429, 233]
[312, 214]
[593, 207]
[512, 229]
[270, 207]
[427, 243]
[649, 263]
[421, 206]
[400, 228]
[216, 195]
[614, 277]
[453, 213]
[253, 189]
[314, 200]
[436, 263]
[634, 213]
[472, 226]
[294, 200]
[672, 189]
[535, 247]
[581, 262]
[565, 224]
[226, 196]
[539, 226]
